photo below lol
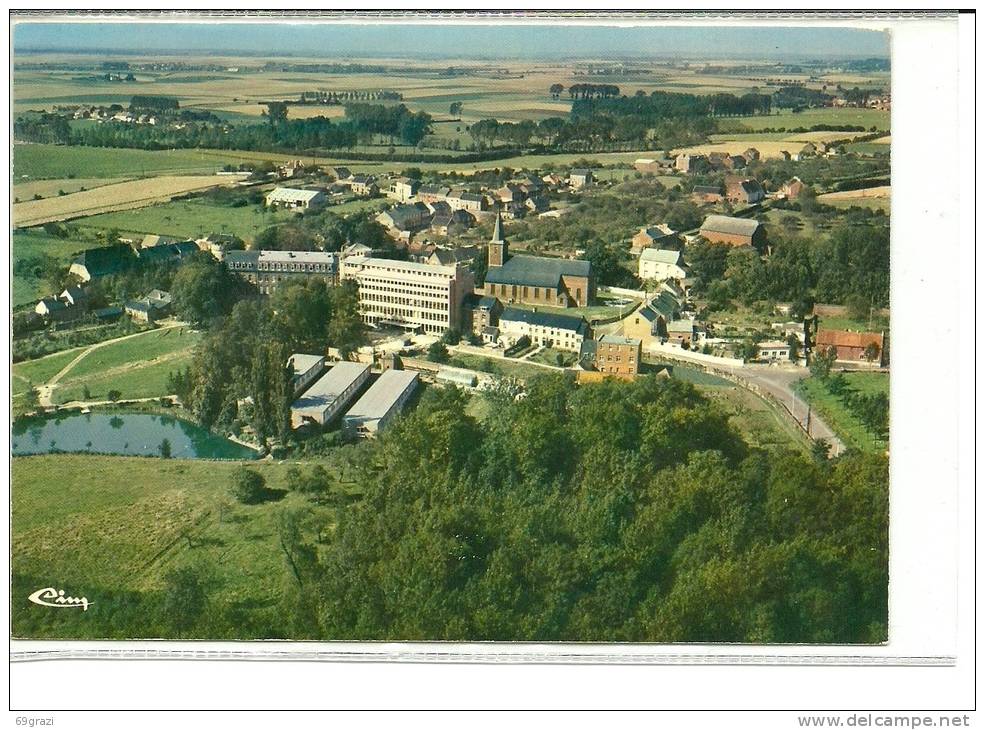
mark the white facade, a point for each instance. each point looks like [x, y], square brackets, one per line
[409, 293]
[661, 265]
[773, 351]
[306, 369]
[546, 334]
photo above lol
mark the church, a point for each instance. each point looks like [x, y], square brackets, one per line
[543, 280]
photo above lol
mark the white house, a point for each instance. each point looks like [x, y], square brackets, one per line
[660, 264]
[560, 331]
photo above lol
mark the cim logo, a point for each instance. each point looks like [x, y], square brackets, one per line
[57, 599]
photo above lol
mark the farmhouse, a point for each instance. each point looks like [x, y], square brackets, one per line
[733, 231]
[706, 194]
[654, 165]
[743, 190]
[792, 188]
[167, 253]
[580, 178]
[660, 264]
[473, 202]
[363, 185]
[54, 309]
[560, 331]
[405, 218]
[149, 308]
[329, 395]
[295, 198]
[381, 403]
[691, 163]
[96, 262]
[650, 236]
[432, 193]
[536, 279]
[852, 346]
[74, 295]
[339, 173]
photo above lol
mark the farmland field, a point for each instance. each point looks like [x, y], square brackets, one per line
[877, 198]
[50, 188]
[44, 161]
[785, 118]
[845, 423]
[122, 196]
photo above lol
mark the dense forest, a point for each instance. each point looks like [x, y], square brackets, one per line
[607, 512]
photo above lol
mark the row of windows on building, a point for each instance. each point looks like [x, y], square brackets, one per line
[421, 302]
[301, 268]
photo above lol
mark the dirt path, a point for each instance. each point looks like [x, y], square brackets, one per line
[45, 391]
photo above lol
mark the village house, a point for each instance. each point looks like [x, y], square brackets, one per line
[681, 332]
[743, 190]
[854, 347]
[660, 264]
[521, 279]
[74, 296]
[513, 210]
[454, 221]
[616, 355]
[155, 305]
[53, 309]
[442, 256]
[691, 163]
[364, 186]
[295, 198]
[432, 193]
[792, 188]
[751, 155]
[706, 194]
[406, 218]
[649, 322]
[403, 189]
[545, 329]
[341, 174]
[509, 193]
[580, 178]
[481, 314]
[773, 351]
[473, 202]
[654, 237]
[733, 231]
[166, 253]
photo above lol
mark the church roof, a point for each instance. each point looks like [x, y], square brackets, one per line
[536, 270]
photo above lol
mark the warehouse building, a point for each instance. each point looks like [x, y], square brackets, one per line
[378, 406]
[329, 395]
[305, 369]
[295, 198]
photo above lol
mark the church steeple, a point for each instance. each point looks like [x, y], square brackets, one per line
[498, 248]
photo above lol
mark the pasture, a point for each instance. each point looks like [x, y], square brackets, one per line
[877, 198]
[32, 244]
[121, 196]
[113, 527]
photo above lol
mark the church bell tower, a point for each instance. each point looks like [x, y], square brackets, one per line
[498, 248]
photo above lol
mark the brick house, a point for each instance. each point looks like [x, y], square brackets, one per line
[733, 231]
[852, 346]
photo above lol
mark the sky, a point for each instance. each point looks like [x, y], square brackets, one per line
[335, 41]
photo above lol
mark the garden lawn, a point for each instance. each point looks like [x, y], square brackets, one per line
[41, 370]
[155, 344]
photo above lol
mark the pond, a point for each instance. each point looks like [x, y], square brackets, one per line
[124, 434]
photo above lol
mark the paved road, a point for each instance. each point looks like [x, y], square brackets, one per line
[779, 383]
